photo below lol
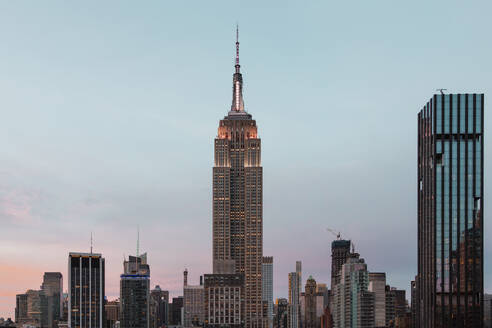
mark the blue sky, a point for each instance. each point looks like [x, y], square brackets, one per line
[109, 111]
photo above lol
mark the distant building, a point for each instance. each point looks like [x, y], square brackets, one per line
[353, 304]
[176, 311]
[37, 309]
[193, 303]
[7, 323]
[340, 251]
[159, 307]
[267, 287]
[294, 309]
[310, 305]
[377, 285]
[396, 305]
[450, 193]
[281, 313]
[21, 308]
[224, 300]
[53, 289]
[135, 293]
[112, 311]
[326, 319]
[86, 290]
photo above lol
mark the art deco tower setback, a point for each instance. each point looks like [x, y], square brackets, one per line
[238, 201]
[449, 283]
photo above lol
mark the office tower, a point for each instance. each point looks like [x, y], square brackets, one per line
[340, 250]
[281, 313]
[294, 301]
[377, 285]
[37, 309]
[238, 200]
[159, 300]
[86, 290]
[135, 292]
[450, 211]
[176, 311]
[487, 311]
[310, 304]
[353, 304]
[396, 304]
[193, 303]
[53, 289]
[223, 300]
[267, 287]
[20, 308]
[112, 313]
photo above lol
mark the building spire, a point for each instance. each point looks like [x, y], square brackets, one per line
[237, 82]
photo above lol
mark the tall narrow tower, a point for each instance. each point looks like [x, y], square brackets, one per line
[238, 201]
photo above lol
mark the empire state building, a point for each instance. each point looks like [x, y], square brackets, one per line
[238, 201]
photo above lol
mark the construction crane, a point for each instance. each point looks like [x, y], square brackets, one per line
[338, 235]
[335, 233]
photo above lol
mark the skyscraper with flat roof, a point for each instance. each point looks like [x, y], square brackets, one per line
[340, 251]
[449, 282]
[86, 290]
[238, 201]
[53, 289]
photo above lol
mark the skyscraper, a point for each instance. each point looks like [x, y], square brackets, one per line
[53, 289]
[135, 293]
[294, 309]
[377, 285]
[238, 200]
[449, 282]
[159, 307]
[86, 290]
[267, 288]
[310, 305]
[340, 251]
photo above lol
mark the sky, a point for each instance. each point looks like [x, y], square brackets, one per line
[108, 112]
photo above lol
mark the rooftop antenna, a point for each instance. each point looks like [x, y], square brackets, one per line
[91, 242]
[138, 239]
[442, 90]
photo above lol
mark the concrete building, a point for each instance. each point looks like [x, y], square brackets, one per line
[112, 313]
[176, 311]
[86, 290]
[135, 293]
[450, 189]
[53, 289]
[377, 285]
[224, 301]
[487, 311]
[21, 308]
[238, 200]
[193, 303]
[159, 307]
[311, 319]
[267, 287]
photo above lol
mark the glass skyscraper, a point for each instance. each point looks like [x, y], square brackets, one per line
[450, 212]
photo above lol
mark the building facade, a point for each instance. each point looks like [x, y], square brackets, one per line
[377, 285]
[294, 309]
[281, 313]
[86, 277]
[112, 313]
[223, 299]
[159, 307]
[310, 305]
[135, 293]
[267, 287]
[450, 212]
[193, 303]
[238, 200]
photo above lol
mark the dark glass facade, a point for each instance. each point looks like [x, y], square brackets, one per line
[449, 283]
[86, 290]
[340, 251]
[134, 300]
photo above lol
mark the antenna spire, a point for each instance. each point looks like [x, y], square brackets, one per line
[237, 48]
[91, 242]
[138, 239]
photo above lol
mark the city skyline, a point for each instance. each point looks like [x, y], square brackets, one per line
[133, 135]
